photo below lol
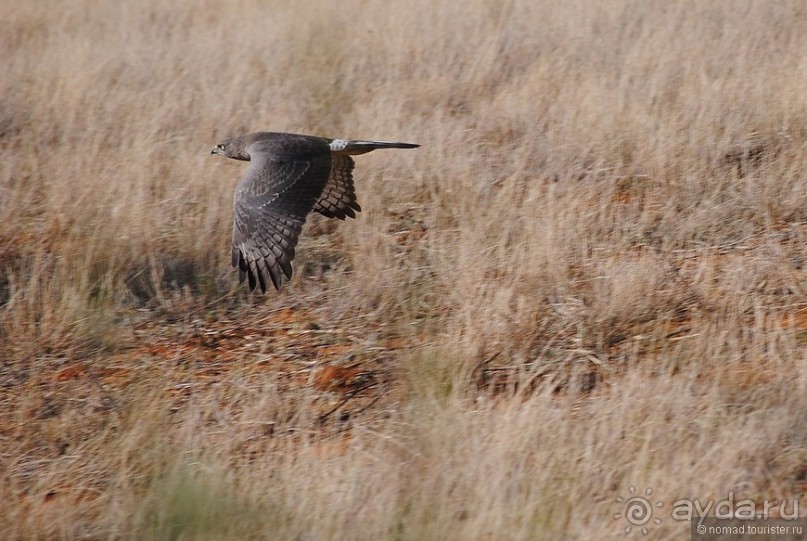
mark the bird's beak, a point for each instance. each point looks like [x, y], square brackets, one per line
[216, 150]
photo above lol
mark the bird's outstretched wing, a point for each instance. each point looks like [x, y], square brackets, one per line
[281, 186]
[338, 198]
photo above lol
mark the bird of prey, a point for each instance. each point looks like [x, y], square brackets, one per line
[289, 175]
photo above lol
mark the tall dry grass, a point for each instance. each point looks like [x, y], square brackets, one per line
[590, 276]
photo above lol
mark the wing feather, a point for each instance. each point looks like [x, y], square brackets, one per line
[281, 186]
[338, 198]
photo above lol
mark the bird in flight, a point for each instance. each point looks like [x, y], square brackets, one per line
[289, 175]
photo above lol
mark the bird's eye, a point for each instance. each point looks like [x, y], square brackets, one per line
[221, 147]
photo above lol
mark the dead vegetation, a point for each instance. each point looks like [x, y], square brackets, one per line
[590, 277]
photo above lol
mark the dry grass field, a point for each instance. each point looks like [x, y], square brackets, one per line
[590, 277]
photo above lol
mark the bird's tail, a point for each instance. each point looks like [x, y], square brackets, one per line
[343, 146]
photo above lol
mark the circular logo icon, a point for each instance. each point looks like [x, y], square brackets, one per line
[637, 510]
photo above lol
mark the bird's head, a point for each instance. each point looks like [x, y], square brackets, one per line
[233, 147]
